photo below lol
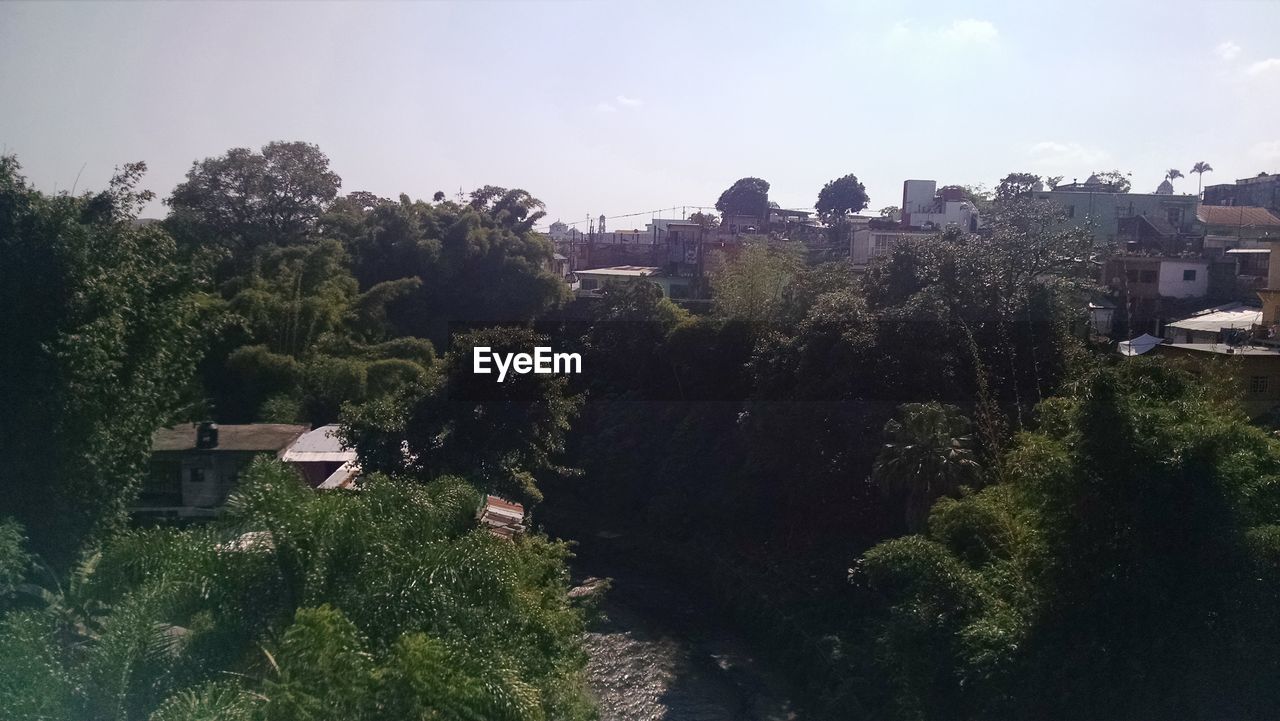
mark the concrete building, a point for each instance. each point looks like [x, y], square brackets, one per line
[1150, 219]
[1214, 325]
[870, 240]
[1152, 277]
[1262, 190]
[925, 207]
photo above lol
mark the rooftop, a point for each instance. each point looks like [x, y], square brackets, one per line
[624, 271]
[1237, 215]
[1224, 349]
[321, 445]
[1212, 320]
[248, 438]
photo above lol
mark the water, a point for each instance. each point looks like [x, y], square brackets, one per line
[656, 654]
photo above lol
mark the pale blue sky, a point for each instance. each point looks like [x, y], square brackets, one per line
[612, 107]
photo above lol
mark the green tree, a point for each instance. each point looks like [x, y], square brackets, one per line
[746, 197]
[1016, 185]
[1200, 168]
[102, 331]
[1118, 181]
[242, 200]
[753, 285]
[929, 454]
[841, 198]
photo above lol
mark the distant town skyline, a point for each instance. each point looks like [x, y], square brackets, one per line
[612, 108]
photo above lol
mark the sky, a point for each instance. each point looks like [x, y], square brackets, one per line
[617, 108]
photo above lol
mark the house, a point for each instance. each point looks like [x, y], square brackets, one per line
[195, 467]
[1214, 325]
[322, 460]
[592, 281]
[1262, 190]
[501, 517]
[873, 239]
[1230, 227]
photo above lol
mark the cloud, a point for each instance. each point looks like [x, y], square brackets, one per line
[971, 32]
[960, 34]
[629, 102]
[1266, 151]
[1050, 152]
[1264, 66]
[1227, 50]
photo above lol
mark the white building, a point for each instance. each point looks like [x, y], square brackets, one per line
[925, 207]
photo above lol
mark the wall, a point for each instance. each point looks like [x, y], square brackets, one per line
[1172, 285]
[1099, 212]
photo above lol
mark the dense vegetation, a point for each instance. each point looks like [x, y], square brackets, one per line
[917, 490]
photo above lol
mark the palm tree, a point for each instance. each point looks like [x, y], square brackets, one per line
[929, 454]
[1172, 174]
[1200, 168]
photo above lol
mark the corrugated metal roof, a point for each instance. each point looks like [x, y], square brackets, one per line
[1237, 215]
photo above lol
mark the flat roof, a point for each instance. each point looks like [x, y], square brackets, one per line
[1224, 349]
[628, 271]
[321, 445]
[249, 438]
[1213, 320]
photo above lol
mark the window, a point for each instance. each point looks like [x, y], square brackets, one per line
[196, 475]
[1175, 216]
[1258, 384]
[1147, 276]
[1131, 275]
[589, 284]
[1188, 275]
[1071, 211]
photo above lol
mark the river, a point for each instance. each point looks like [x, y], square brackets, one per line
[657, 654]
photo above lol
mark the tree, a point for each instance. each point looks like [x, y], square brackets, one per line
[1118, 181]
[385, 604]
[841, 198]
[746, 197]
[752, 286]
[705, 221]
[102, 328]
[1200, 168]
[242, 200]
[929, 454]
[1017, 185]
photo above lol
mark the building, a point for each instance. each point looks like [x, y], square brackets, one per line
[322, 460]
[870, 240]
[924, 207]
[1254, 355]
[195, 467]
[1228, 227]
[1262, 190]
[592, 281]
[1152, 277]
[1157, 221]
[501, 517]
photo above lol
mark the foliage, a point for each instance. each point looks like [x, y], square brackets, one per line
[1017, 185]
[383, 604]
[1118, 180]
[752, 285]
[243, 200]
[746, 197]
[928, 454]
[102, 328]
[1120, 570]
[840, 198]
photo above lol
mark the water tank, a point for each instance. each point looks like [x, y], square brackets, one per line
[207, 435]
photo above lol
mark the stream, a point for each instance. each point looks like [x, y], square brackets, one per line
[656, 653]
